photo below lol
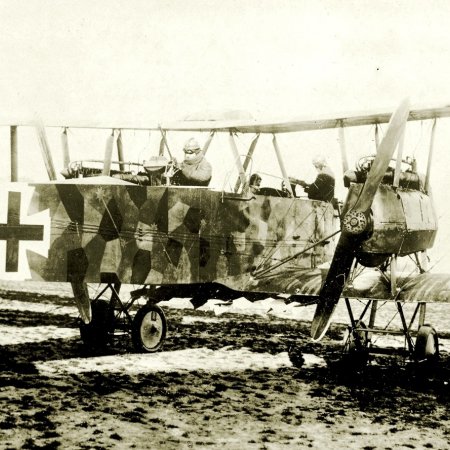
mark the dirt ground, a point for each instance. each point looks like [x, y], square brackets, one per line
[389, 405]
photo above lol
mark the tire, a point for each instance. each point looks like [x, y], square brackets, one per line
[96, 335]
[356, 341]
[355, 353]
[427, 344]
[149, 329]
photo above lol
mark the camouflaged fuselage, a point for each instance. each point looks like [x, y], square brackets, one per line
[163, 236]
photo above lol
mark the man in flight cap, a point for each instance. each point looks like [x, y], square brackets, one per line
[195, 170]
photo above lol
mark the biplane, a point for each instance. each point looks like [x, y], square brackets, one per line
[113, 223]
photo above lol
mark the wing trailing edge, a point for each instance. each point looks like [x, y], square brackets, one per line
[248, 125]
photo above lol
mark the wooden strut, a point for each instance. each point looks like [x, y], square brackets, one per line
[405, 331]
[354, 324]
[14, 154]
[208, 142]
[65, 148]
[287, 184]
[377, 136]
[405, 327]
[46, 153]
[430, 157]
[343, 147]
[247, 160]
[238, 162]
[120, 151]
[108, 154]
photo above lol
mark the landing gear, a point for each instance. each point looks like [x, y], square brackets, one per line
[146, 325]
[96, 335]
[358, 342]
[355, 351]
[427, 344]
[149, 328]
[356, 339]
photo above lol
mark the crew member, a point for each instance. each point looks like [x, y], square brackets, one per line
[323, 186]
[195, 170]
[254, 183]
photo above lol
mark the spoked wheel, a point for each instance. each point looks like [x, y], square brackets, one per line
[356, 343]
[149, 328]
[96, 335]
[427, 344]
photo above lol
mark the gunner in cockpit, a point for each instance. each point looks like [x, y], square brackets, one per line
[194, 170]
[322, 188]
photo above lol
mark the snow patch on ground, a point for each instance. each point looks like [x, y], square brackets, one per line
[187, 320]
[11, 335]
[44, 308]
[199, 359]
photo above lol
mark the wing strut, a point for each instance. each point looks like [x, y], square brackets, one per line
[343, 148]
[46, 153]
[377, 136]
[208, 142]
[120, 151]
[65, 148]
[287, 184]
[14, 154]
[430, 157]
[248, 158]
[108, 154]
[238, 162]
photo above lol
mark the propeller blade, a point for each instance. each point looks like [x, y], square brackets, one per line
[355, 223]
[334, 283]
[384, 154]
[81, 294]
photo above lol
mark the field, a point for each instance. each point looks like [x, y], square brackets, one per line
[223, 380]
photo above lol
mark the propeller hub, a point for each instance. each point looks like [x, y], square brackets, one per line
[355, 222]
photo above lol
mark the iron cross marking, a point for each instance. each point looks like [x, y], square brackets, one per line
[13, 232]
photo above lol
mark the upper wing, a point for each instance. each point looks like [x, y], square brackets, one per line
[319, 123]
[249, 125]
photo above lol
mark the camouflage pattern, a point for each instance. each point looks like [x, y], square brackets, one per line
[165, 235]
[83, 232]
[404, 221]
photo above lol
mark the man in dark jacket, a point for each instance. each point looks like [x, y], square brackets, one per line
[323, 186]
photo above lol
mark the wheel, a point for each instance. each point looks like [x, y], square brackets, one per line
[427, 344]
[149, 328]
[355, 354]
[96, 335]
[356, 340]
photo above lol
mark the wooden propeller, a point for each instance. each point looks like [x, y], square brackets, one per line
[355, 225]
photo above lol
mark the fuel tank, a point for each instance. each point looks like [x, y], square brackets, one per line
[404, 222]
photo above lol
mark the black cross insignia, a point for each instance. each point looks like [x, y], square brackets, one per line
[13, 232]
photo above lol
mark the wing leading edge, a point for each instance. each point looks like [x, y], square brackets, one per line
[343, 120]
[254, 126]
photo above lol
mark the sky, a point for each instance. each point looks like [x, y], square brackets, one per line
[165, 59]
[136, 61]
